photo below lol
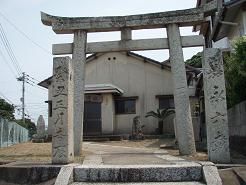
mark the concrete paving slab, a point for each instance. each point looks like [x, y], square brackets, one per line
[121, 155]
[229, 177]
[241, 172]
[92, 160]
[133, 158]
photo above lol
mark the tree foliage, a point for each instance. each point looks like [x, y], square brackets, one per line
[29, 125]
[6, 110]
[161, 115]
[235, 73]
[195, 61]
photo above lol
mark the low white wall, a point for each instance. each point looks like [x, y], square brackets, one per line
[11, 133]
[237, 119]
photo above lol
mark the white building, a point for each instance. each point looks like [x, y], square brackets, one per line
[122, 85]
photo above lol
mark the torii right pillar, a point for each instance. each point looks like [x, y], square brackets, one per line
[215, 106]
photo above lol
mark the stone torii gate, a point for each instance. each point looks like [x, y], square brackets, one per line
[172, 20]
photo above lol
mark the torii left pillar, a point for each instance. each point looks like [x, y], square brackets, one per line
[78, 65]
[185, 132]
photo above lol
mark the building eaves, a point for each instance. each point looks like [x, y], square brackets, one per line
[229, 13]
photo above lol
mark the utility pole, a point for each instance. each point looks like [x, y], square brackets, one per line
[22, 78]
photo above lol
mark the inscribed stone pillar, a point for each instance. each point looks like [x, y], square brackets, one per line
[215, 106]
[79, 59]
[40, 127]
[181, 98]
[62, 138]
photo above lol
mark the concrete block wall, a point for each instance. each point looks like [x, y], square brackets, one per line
[11, 133]
[237, 120]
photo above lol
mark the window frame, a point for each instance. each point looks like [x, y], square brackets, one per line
[132, 98]
[166, 97]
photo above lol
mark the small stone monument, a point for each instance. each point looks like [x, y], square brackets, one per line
[41, 127]
[137, 133]
[40, 136]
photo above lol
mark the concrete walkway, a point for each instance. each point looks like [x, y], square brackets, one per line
[121, 155]
[120, 164]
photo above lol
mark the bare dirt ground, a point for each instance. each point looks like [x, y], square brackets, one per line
[41, 152]
[38, 152]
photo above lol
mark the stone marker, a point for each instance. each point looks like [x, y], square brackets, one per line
[40, 127]
[62, 92]
[215, 106]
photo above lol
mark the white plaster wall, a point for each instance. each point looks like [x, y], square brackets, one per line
[222, 43]
[107, 114]
[237, 31]
[135, 78]
[237, 120]
[234, 32]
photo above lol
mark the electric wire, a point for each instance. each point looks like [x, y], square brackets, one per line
[9, 50]
[9, 66]
[5, 98]
[25, 35]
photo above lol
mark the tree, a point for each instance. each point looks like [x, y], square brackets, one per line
[29, 125]
[6, 110]
[161, 115]
[235, 73]
[195, 61]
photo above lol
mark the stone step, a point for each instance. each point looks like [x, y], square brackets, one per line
[138, 173]
[141, 183]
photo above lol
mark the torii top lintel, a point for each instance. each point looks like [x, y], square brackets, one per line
[187, 17]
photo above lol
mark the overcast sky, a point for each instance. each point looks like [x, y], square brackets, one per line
[37, 62]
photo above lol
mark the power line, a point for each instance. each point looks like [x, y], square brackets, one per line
[33, 78]
[4, 97]
[9, 50]
[9, 66]
[34, 84]
[25, 35]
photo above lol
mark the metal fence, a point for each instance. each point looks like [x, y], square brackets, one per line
[11, 133]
